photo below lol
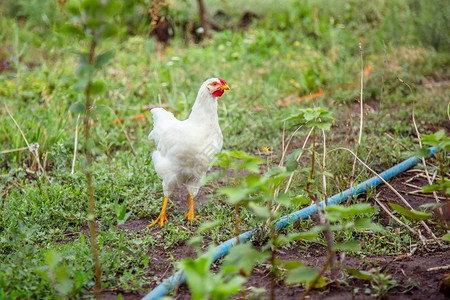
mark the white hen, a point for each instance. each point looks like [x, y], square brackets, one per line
[185, 149]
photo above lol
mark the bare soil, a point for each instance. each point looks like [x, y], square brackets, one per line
[410, 270]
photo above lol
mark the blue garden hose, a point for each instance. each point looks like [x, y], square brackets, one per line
[178, 278]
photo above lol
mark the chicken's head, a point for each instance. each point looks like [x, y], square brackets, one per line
[216, 86]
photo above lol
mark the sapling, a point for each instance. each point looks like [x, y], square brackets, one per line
[92, 21]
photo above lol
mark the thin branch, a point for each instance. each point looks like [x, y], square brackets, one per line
[33, 150]
[298, 159]
[14, 150]
[394, 217]
[430, 182]
[288, 184]
[75, 146]
[392, 189]
[324, 178]
[439, 268]
[88, 172]
[361, 121]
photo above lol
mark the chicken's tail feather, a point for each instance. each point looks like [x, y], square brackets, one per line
[162, 119]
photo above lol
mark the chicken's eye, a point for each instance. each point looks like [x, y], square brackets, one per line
[214, 84]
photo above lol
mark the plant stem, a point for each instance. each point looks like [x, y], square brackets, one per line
[88, 172]
[203, 17]
[322, 221]
[237, 223]
[361, 122]
[272, 272]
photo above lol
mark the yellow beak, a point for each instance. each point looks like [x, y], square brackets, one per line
[225, 87]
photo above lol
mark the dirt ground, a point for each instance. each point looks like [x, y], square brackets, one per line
[410, 270]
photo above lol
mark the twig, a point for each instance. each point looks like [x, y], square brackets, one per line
[14, 150]
[439, 268]
[392, 189]
[75, 146]
[394, 217]
[414, 177]
[88, 172]
[412, 185]
[448, 111]
[395, 140]
[420, 143]
[164, 274]
[35, 153]
[288, 184]
[324, 178]
[361, 122]
[298, 159]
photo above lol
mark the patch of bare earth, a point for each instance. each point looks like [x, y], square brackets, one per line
[414, 279]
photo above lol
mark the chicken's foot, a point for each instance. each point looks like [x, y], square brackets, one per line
[190, 214]
[162, 215]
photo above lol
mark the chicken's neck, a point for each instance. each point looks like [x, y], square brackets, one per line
[205, 108]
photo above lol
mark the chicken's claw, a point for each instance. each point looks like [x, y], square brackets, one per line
[190, 215]
[162, 215]
[160, 220]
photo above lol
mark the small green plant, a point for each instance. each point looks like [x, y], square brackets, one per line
[92, 21]
[121, 212]
[382, 283]
[441, 142]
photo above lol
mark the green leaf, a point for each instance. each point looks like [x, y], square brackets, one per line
[234, 194]
[300, 200]
[63, 279]
[293, 264]
[306, 235]
[73, 30]
[291, 160]
[366, 223]
[260, 211]
[73, 8]
[108, 30]
[103, 59]
[421, 152]
[301, 274]
[198, 276]
[283, 199]
[410, 213]
[207, 226]
[431, 205]
[102, 109]
[275, 171]
[195, 242]
[445, 187]
[97, 87]
[91, 5]
[112, 7]
[52, 258]
[347, 246]
[77, 108]
[364, 275]
[446, 237]
[244, 257]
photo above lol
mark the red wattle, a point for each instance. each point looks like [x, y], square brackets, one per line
[218, 93]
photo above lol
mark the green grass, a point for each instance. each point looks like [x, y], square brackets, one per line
[299, 48]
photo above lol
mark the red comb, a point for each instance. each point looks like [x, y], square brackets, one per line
[222, 81]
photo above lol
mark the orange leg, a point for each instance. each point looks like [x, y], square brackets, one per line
[190, 214]
[162, 215]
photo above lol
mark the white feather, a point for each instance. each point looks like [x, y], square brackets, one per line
[185, 149]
